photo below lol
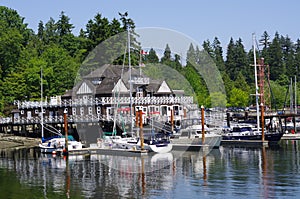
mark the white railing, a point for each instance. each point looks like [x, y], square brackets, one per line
[5, 120]
[107, 100]
[54, 119]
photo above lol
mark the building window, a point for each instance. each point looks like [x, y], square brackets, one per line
[98, 110]
[90, 110]
[81, 110]
[85, 99]
[28, 114]
[139, 92]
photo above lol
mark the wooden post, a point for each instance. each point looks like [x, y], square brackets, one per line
[141, 129]
[137, 119]
[262, 123]
[202, 123]
[228, 119]
[66, 132]
[172, 121]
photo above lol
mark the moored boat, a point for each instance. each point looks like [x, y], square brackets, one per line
[156, 145]
[191, 138]
[57, 144]
[246, 132]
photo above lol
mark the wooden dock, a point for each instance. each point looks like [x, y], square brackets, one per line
[109, 151]
[252, 143]
[291, 136]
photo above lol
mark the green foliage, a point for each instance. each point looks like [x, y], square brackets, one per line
[238, 98]
[152, 57]
[279, 94]
[217, 99]
[174, 78]
[55, 50]
[60, 54]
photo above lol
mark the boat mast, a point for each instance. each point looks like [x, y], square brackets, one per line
[296, 95]
[42, 115]
[291, 96]
[130, 80]
[256, 86]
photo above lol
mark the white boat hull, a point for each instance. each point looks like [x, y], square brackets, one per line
[135, 144]
[57, 145]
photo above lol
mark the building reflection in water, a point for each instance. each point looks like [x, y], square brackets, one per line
[227, 170]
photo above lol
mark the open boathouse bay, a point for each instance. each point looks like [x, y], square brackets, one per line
[234, 172]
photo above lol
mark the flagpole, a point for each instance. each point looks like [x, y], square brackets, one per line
[141, 62]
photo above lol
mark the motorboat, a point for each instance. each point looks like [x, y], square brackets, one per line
[57, 144]
[190, 138]
[157, 145]
[247, 132]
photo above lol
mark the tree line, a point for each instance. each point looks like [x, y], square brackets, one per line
[59, 53]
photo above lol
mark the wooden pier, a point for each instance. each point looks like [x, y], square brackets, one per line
[108, 151]
[291, 136]
[251, 143]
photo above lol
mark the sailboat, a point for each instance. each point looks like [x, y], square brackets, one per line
[57, 143]
[247, 132]
[157, 145]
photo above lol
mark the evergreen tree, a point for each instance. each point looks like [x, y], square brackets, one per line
[241, 61]
[97, 30]
[265, 43]
[166, 59]
[50, 32]
[275, 58]
[288, 56]
[297, 57]
[230, 65]
[207, 47]
[218, 54]
[191, 55]
[41, 33]
[241, 83]
[152, 57]
[63, 25]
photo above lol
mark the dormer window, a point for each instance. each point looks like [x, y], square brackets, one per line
[139, 92]
[97, 81]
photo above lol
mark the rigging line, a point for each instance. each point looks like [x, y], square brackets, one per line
[118, 92]
[272, 96]
[257, 47]
[285, 99]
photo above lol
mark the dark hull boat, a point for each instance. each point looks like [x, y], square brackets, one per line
[247, 133]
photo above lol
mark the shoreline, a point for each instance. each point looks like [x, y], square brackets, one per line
[11, 141]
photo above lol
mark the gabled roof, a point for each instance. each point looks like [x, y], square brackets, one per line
[104, 71]
[164, 88]
[120, 87]
[109, 80]
[83, 87]
[107, 85]
[153, 86]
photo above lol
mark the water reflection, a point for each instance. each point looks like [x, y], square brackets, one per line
[234, 172]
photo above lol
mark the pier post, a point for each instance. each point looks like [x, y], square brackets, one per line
[172, 121]
[202, 123]
[66, 132]
[140, 112]
[228, 119]
[262, 123]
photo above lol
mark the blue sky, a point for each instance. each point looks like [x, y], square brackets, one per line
[198, 19]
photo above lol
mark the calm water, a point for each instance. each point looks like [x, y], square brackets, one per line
[228, 172]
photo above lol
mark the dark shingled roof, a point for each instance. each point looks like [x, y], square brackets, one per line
[109, 76]
[107, 85]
